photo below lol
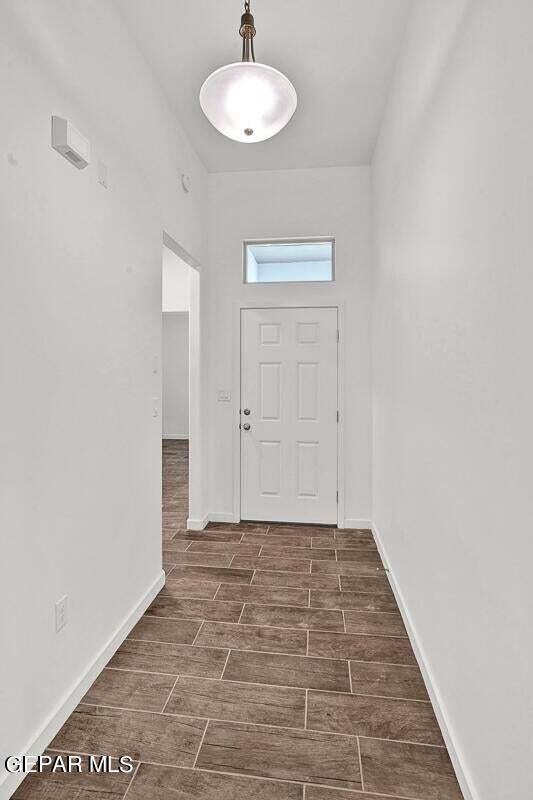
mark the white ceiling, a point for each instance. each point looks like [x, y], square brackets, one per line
[339, 54]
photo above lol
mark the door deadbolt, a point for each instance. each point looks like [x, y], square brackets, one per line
[246, 426]
[247, 412]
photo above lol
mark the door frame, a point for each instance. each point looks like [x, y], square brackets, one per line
[237, 463]
[197, 518]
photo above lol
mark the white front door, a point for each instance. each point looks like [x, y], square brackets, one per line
[289, 414]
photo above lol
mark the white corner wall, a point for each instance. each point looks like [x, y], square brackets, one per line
[176, 289]
[277, 204]
[453, 331]
[80, 341]
[176, 375]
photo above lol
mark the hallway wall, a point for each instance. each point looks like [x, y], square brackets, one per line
[289, 203]
[80, 336]
[175, 375]
[453, 429]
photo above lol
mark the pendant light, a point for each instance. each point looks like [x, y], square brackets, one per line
[247, 101]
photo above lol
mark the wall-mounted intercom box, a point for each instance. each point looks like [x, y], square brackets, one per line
[68, 141]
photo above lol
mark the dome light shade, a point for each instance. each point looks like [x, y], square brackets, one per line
[247, 101]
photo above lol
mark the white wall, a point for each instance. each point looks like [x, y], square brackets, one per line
[176, 375]
[176, 291]
[453, 432]
[176, 288]
[256, 205]
[80, 317]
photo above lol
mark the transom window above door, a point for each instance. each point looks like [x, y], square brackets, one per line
[289, 261]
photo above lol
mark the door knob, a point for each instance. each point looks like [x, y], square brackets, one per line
[247, 412]
[246, 426]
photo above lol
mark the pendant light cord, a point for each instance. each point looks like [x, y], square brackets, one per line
[247, 31]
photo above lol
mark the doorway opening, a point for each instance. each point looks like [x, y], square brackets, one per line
[180, 390]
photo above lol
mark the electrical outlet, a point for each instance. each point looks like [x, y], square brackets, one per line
[61, 613]
[223, 396]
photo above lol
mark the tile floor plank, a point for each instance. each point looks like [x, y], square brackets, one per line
[234, 548]
[258, 539]
[142, 735]
[279, 596]
[238, 702]
[284, 670]
[324, 793]
[189, 588]
[167, 783]
[243, 527]
[360, 583]
[379, 717]
[176, 608]
[273, 537]
[296, 552]
[137, 690]
[357, 551]
[379, 624]
[346, 568]
[212, 573]
[281, 753]
[408, 770]
[358, 531]
[273, 563]
[274, 540]
[197, 559]
[383, 649]
[346, 539]
[208, 535]
[286, 617]
[83, 785]
[253, 637]
[388, 680]
[169, 659]
[178, 631]
[323, 540]
[292, 531]
[361, 555]
[301, 580]
[360, 601]
[174, 545]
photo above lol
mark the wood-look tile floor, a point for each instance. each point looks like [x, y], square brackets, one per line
[274, 665]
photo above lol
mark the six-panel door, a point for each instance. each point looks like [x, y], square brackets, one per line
[289, 387]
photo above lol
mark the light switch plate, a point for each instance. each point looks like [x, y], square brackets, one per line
[223, 396]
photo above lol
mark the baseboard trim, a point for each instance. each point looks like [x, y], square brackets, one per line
[222, 516]
[197, 524]
[230, 518]
[174, 435]
[212, 516]
[457, 758]
[361, 524]
[70, 700]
